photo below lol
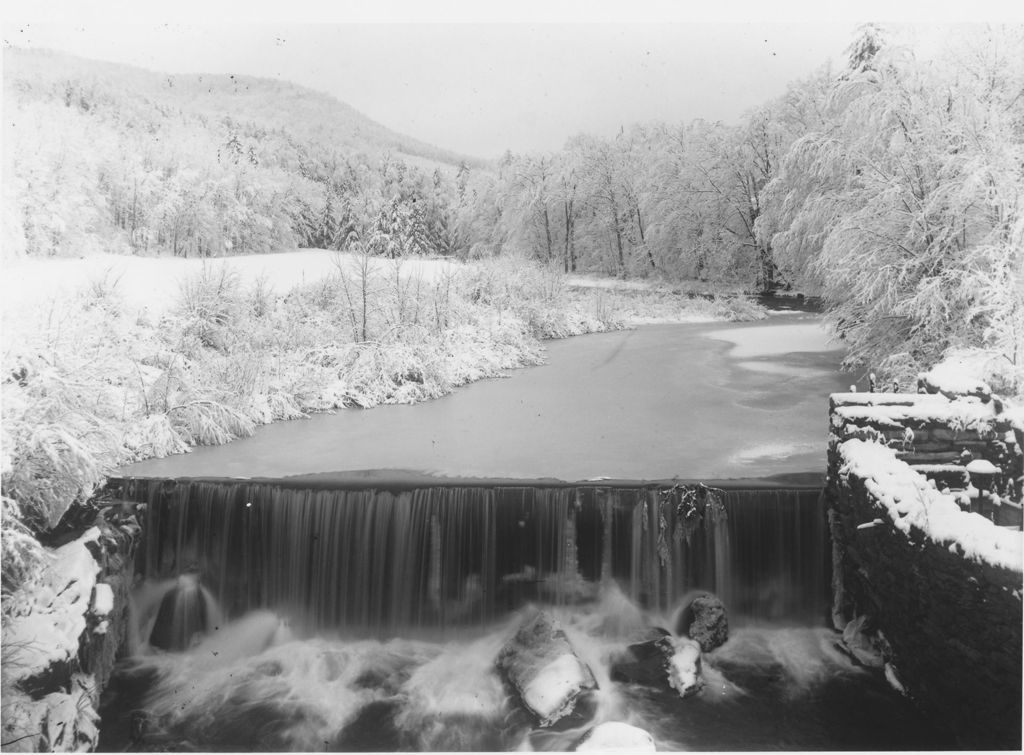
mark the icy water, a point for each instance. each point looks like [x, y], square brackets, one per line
[707, 401]
[351, 607]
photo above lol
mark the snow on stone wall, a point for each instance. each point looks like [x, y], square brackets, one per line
[918, 486]
[911, 503]
[914, 410]
[61, 645]
[47, 631]
[970, 445]
[949, 625]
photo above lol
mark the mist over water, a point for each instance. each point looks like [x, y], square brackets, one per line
[255, 688]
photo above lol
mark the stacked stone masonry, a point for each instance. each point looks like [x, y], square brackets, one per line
[945, 440]
[947, 620]
[37, 717]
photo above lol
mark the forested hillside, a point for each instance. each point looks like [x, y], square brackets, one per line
[133, 161]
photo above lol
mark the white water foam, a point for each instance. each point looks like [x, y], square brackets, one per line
[251, 683]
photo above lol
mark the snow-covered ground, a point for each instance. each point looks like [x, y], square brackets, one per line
[579, 280]
[152, 283]
[778, 339]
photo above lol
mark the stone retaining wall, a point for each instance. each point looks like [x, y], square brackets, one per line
[52, 694]
[944, 601]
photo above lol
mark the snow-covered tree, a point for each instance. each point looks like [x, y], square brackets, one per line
[906, 205]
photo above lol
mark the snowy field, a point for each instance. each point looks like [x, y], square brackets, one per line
[152, 283]
[578, 280]
[151, 286]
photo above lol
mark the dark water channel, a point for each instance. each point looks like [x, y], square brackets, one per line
[332, 602]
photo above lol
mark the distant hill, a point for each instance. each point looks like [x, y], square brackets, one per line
[103, 157]
[305, 113]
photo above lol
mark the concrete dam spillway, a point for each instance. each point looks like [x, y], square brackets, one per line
[606, 487]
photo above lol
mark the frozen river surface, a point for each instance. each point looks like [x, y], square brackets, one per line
[703, 401]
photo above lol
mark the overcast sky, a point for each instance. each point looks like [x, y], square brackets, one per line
[481, 88]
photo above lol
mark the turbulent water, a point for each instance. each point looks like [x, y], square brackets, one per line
[254, 685]
[284, 618]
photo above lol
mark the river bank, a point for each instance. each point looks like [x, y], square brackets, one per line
[642, 404]
[113, 360]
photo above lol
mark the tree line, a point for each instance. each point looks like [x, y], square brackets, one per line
[893, 187]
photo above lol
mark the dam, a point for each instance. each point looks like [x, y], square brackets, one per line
[345, 582]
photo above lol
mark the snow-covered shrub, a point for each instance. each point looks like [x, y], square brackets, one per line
[738, 308]
[963, 369]
[210, 302]
[260, 297]
[153, 436]
[505, 281]
[101, 292]
[22, 558]
[276, 404]
[60, 447]
[393, 372]
[209, 423]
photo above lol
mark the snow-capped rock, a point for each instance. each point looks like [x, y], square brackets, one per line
[542, 667]
[684, 667]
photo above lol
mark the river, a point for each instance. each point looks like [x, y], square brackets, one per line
[701, 401]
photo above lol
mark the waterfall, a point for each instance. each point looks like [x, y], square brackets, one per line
[383, 562]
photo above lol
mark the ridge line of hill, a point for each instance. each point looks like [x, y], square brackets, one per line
[386, 138]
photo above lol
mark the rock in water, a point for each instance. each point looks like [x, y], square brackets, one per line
[665, 662]
[541, 666]
[705, 621]
[613, 736]
[858, 644]
[645, 662]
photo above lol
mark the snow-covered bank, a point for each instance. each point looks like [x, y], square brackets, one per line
[115, 359]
